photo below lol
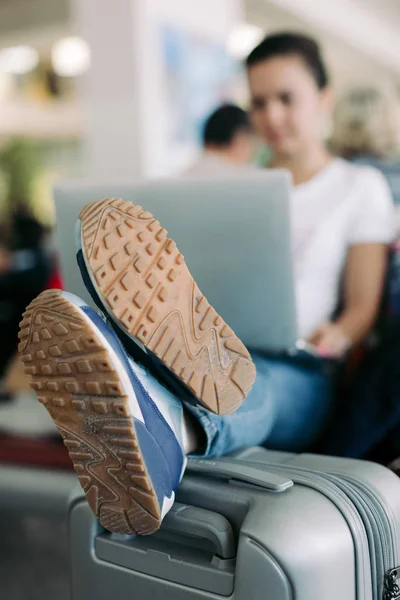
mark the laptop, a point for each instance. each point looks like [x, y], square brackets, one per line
[234, 234]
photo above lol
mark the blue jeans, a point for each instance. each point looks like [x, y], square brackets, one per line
[286, 409]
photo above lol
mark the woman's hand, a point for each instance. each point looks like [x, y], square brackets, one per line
[362, 290]
[331, 341]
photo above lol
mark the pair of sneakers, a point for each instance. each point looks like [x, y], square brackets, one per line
[113, 380]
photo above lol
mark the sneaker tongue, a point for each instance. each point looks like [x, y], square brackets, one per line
[168, 405]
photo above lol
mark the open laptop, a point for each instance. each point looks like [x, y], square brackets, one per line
[234, 234]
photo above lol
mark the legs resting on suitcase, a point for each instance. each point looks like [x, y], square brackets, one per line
[158, 376]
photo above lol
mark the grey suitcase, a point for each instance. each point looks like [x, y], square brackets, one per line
[260, 526]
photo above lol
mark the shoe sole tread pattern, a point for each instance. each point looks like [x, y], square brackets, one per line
[141, 275]
[75, 379]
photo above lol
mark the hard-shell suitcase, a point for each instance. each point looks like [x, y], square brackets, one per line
[259, 526]
[368, 497]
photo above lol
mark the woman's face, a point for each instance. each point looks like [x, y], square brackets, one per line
[286, 104]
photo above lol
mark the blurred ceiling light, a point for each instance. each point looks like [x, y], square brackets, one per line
[70, 57]
[18, 60]
[243, 39]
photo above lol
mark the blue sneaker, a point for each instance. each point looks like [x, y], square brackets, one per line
[137, 276]
[126, 446]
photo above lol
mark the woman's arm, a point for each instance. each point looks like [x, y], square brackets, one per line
[370, 230]
[364, 278]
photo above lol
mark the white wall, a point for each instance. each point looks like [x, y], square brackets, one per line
[215, 18]
[109, 97]
[363, 25]
[350, 51]
[124, 94]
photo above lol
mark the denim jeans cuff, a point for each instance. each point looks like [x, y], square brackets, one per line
[202, 416]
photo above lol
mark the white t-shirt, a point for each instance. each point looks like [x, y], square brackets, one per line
[341, 206]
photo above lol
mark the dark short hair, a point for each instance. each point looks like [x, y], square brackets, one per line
[295, 44]
[223, 124]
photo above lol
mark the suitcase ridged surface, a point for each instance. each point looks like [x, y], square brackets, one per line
[372, 492]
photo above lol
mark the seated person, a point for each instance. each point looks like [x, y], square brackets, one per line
[25, 268]
[365, 132]
[128, 430]
[227, 141]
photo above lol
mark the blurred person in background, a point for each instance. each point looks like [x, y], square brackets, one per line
[27, 261]
[25, 269]
[365, 132]
[227, 141]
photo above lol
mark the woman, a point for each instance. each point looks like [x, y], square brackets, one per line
[342, 214]
[342, 223]
[342, 217]
[365, 132]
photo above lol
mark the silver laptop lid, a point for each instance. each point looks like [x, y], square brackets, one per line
[234, 234]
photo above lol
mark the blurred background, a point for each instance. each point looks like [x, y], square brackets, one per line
[119, 89]
[94, 87]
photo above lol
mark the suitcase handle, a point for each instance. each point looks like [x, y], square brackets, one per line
[195, 548]
[204, 524]
[236, 470]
